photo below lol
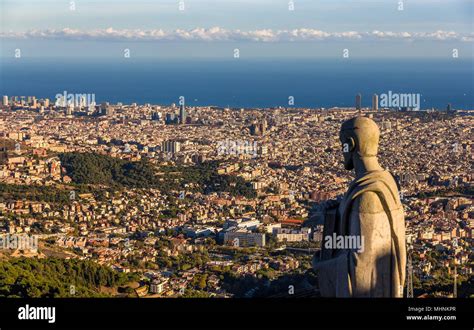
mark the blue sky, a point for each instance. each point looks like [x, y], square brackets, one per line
[259, 28]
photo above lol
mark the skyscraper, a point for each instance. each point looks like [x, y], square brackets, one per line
[156, 115]
[5, 100]
[170, 119]
[358, 101]
[182, 114]
[103, 107]
[375, 102]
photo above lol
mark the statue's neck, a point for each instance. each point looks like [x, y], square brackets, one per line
[364, 165]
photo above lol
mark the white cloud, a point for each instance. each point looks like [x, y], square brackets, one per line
[221, 34]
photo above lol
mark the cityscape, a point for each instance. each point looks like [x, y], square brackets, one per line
[239, 164]
[148, 200]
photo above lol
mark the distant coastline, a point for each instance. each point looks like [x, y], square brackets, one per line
[243, 83]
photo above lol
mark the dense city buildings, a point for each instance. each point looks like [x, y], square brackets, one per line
[228, 203]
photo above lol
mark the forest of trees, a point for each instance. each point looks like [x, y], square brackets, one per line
[33, 193]
[54, 277]
[89, 168]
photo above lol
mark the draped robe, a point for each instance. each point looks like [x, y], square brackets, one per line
[372, 209]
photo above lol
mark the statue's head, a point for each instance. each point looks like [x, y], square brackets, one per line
[360, 139]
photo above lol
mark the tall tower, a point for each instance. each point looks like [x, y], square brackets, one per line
[375, 102]
[182, 114]
[455, 289]
[410, 276]
[263, 126]
[359, 101]
[5, 100]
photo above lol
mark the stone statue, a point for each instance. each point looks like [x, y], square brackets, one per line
[363, 251]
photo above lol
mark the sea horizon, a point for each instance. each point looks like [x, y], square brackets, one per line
[242, 83]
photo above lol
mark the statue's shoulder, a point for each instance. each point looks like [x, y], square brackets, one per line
[368, 202]
[372, 192]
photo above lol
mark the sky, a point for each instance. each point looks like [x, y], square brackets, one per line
[257, 28]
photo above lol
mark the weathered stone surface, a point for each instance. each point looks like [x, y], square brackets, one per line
[371, 211]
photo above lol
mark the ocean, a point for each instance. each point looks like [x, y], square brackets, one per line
[243, 83]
